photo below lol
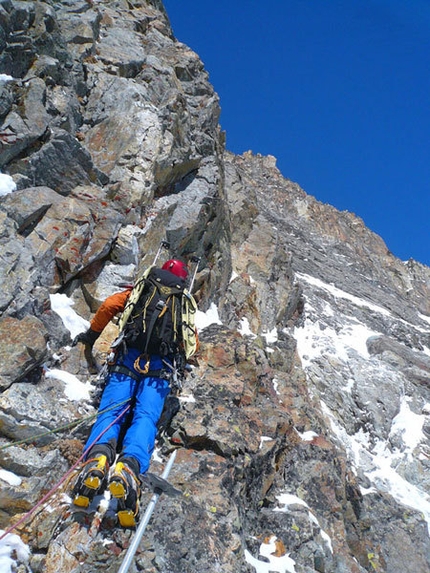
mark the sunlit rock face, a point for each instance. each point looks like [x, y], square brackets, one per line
[302, 436]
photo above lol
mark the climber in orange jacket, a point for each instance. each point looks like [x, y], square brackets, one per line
[141, 374]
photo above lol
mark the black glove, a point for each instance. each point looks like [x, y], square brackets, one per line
[88, 338]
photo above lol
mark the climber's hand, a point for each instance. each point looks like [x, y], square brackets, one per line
[88, 338]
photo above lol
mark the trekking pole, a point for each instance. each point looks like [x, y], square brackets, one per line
[195, 260]
[145, 520]
[163, 245]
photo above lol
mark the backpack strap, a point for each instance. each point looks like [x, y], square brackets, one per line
[189, 332]
[159, 311]
[133, 298]
[169, 290]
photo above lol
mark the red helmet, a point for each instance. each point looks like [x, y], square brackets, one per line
[176, 267]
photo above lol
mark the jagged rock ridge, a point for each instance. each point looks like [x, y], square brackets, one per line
[294, 434]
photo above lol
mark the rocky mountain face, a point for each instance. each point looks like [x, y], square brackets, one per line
[302, 437]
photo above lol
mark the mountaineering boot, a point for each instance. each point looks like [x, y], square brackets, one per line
[125, 488]
[91, 481]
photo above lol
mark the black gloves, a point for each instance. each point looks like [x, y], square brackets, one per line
[88, 338]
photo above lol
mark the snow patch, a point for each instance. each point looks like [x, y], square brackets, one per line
[10, 545]
[245, 329]
[353, 444]
[190, 398]
[62, 305]
[408, 426]
[156, 455]
[271, 337]
[288, 499]
[368, 490]
[326, 539]
[385, 478]
[282, 564]
[264, 439]
[7, 185]
[307, 436]
[357, 301]
[424, 317]
[339, 293]
[204, 319]
[75, 389]
[10, 478]
[382, 461]
[313, 342]
[385, 462]
[349, 386]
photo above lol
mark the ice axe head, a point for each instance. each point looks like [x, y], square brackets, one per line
[163, 245]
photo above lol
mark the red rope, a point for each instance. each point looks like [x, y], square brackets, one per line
[63, 479]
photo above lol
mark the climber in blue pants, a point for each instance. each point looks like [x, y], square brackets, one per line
[152, 345]
[148, 395]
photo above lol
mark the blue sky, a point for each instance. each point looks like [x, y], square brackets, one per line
[337, 90]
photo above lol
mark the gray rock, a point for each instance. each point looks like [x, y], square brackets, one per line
[26, 122]
[28, 206]
[23, 348]
[61, 154]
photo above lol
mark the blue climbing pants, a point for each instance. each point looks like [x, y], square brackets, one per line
[147, 395]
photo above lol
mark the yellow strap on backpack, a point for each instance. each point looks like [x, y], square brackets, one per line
[133, 298]
[189, 332]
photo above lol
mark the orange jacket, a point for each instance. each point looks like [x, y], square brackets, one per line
[108, 309]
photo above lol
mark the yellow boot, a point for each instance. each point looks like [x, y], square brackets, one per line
[91, 481]
[124, 486]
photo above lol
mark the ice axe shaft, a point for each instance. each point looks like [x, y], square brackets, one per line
[196, 261]
[163, 245]
[145, 520]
